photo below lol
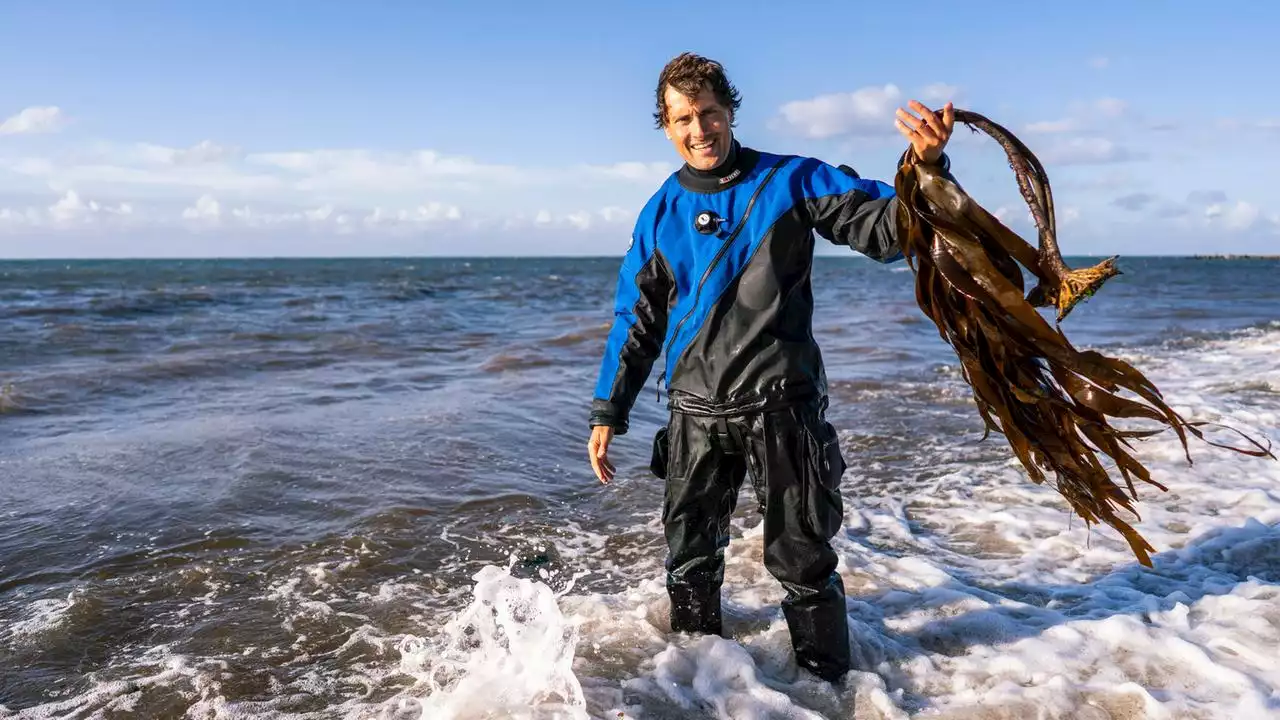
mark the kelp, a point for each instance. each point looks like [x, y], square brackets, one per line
[1051, 401]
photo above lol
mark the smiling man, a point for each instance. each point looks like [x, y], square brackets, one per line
[717, 283]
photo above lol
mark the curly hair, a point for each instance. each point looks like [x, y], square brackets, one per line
[688, 73]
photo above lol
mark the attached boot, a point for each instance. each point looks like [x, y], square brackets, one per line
[694, 610]
[819, 628]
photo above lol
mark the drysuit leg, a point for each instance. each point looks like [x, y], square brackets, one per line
[704, 472]
[798, 454]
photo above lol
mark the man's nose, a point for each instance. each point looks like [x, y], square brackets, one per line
[696, 129]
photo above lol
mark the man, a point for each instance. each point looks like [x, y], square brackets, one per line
[717, 281]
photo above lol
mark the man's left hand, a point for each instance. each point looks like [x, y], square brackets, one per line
[928, 133]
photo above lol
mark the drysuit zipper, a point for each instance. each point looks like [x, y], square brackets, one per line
[716, 261]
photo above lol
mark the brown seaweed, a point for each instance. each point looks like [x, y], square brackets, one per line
[1050, 400]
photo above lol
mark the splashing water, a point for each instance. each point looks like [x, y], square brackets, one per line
[508, 654]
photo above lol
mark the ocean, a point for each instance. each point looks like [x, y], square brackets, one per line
[358, 488]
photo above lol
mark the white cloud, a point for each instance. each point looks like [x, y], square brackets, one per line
[361, 170]
[868, 110]
[651, 172]
[579, 220]
[263, 189]
[205, 151]
[1214, 210]
[1047, 127]
[69, 210]
[1081, 116]
[1236, 216]
[1099, 62]
[939, 94]
[613, 214]
[34, 120]
[206, 208]
[1087, 151]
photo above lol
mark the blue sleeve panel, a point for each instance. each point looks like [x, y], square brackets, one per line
[640, 306]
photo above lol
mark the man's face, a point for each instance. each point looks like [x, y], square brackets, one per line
[698, 128]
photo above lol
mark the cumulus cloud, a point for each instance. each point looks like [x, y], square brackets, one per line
[1236, 216]
[34, 120]
[610, 217]
[647, 172]
[1087, 151]
[207, 208]
[1210, 210]
[939, 94]
[213, 184]
[205, 151]
[1081, 117]
[426, 213]
[69, 210]
[868, 110]
[360, 169]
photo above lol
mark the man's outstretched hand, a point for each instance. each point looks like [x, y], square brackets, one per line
[928, 133]
[598, 450]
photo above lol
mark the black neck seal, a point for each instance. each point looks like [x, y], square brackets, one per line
[729, 173]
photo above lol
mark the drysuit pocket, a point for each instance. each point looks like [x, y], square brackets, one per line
[661, 454]
[824, 508]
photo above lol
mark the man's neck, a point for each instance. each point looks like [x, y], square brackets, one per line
[727, 174]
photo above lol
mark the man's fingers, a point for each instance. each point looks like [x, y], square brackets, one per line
[915, 129]
[926, 115]
[595, 460]
[907, 119]
[949, 116]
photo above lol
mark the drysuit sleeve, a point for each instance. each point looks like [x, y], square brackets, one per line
[640, 311]
[846, 209]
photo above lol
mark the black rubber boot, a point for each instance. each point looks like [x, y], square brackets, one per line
[819, 625]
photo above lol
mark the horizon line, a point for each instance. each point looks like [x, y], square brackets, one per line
[618, 256]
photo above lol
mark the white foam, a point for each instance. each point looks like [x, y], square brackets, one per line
[510, 653]
[41, 616]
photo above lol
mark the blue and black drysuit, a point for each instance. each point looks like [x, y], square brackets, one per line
[717, 281]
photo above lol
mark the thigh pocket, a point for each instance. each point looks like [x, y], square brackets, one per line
[661, 454]
[824, 508]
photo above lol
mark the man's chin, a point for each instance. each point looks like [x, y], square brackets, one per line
[705, 163]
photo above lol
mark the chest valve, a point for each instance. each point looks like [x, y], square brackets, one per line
[707, 222]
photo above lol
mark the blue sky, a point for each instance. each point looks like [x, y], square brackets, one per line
[326, 128]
